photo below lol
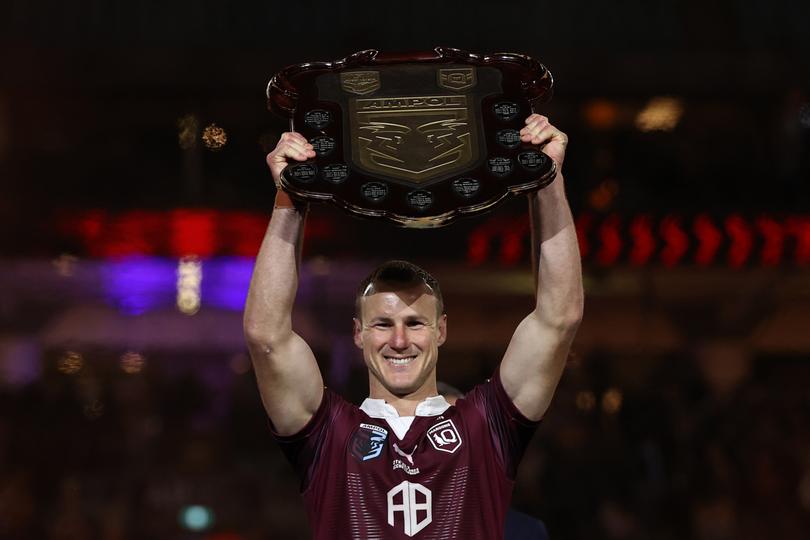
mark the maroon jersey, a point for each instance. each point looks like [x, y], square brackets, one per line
[449, 476]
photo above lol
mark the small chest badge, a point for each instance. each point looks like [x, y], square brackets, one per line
[368, 442]
[444, 437]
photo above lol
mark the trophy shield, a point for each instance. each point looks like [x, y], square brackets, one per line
[417, 139]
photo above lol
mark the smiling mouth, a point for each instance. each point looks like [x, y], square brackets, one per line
[400, 360]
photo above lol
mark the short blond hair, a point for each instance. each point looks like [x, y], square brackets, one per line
[400, 274]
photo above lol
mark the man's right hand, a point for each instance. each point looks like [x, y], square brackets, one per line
[290, 145]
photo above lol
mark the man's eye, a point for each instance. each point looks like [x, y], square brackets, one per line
[414, 324]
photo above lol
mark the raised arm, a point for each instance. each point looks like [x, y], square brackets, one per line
[289, 380]
[535, 358]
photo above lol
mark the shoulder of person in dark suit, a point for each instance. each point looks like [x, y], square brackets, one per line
[520, 526]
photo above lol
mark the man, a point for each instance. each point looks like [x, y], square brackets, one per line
[407, 464]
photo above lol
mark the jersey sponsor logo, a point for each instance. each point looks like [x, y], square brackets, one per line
[368, 442]
[399, 464]
[414, 501]
[404, 454]
[444, 437]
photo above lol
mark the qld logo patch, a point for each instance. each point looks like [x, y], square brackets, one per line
[368, 442]
[444, 437]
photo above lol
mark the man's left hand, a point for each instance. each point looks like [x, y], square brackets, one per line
[538, 130]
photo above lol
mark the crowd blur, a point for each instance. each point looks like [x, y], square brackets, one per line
[696, 445]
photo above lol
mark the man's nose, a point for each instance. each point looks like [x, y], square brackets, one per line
[399, 337]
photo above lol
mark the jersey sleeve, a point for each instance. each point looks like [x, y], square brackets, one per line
[304, 448]
[509, 429]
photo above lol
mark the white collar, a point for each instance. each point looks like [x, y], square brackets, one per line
[378, 408]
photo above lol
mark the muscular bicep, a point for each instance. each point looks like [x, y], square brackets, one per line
[289, 380]
[533, 364]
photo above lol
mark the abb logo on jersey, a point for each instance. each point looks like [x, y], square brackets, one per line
[444, 437]
[410, 506]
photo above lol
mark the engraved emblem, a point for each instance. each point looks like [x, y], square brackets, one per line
[506, 110]
[416, 139]
[302, 172]
[420, 199]
[322, 145]
[335, 173]
[444, 437]
[317, 118]
[360, 82]
[374, 191]
[456, 78]
[500, 166]
[510, 138]
[532, 160]
[466, 187]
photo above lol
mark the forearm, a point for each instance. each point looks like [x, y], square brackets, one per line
[535, 358]
[274, 284]
[555, 258]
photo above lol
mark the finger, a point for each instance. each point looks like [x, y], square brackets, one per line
[529, 133]
[534, 128]
[536, 120]
[292, 153]
[297, 140]
[289, 150]
[525, 136]
[293, 136]
[543, 136]
[548, 134]
[539, 123]
[298, 145]
[303, 147]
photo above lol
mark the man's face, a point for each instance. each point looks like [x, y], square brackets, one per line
[399, 334]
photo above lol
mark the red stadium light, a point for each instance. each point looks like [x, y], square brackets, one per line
[766, 240]
[90, 225]
[643, 240]
[611, 240]
[799, 227]
[193, 233]
[478, 247]
[676, 241]
[480, 240]
[243, 232]
[709, 239]
[773, 235]
[512, 241]
[133, 232]
[583, 225]
[741, 241]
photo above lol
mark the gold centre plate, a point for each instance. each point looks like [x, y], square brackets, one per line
[413, 138]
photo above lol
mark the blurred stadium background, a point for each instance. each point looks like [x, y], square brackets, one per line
[135, 194]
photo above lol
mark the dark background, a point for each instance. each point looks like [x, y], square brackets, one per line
[684, 412]
[91, 94]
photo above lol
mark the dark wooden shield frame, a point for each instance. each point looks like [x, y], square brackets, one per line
[417, 139]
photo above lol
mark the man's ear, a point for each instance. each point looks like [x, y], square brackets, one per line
[358, 328]
[442, 328]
